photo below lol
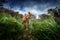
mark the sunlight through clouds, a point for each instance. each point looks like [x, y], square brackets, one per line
[33, 10]
[36, 7]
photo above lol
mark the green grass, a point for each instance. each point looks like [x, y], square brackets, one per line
[11, 28]
[46, 30]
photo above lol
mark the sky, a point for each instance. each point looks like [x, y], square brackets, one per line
[37, 7]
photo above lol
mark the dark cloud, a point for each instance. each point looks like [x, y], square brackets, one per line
[32, 2]
[35, 5]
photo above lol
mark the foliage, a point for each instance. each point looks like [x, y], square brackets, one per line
[46, 30]
[10, 28]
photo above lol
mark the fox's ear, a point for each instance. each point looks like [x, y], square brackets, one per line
[29, 13]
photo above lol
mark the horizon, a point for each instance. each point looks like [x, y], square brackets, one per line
[37, 7]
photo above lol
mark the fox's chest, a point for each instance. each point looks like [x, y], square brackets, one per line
[26, 18]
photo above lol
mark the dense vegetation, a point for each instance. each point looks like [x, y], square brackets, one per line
[46, 30]
[12, 29]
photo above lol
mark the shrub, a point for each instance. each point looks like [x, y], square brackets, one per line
[10, 29]
[46, 30]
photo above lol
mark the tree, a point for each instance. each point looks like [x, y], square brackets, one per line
[58, 10]
[53, 12]
[44, 16]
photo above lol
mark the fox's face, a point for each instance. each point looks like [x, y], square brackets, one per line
[27, 17]
[31, 15]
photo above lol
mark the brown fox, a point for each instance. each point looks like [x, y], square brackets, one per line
[27, 17]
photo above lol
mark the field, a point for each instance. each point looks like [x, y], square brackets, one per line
[29, 19]
[12, 29]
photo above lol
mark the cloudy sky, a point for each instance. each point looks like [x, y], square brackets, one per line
[35, 6]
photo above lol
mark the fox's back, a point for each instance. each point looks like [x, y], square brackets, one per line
[25, 18]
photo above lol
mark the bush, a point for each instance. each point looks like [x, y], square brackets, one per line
[46, 30]
[10, 29]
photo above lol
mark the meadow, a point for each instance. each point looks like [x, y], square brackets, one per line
[12, 29]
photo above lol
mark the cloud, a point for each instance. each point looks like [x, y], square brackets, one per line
[28, 3]
[34, 10]
[42, 4]
[36, 7]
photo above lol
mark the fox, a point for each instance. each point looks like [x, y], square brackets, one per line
[26, 18]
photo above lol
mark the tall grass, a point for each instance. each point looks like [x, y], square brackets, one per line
[11, 29]
[46, 30]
